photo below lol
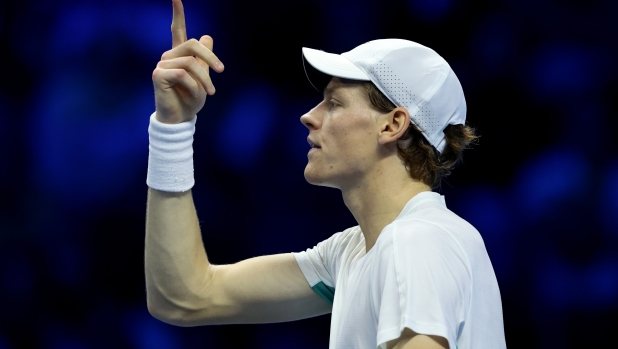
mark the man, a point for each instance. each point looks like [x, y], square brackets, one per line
[411, 275]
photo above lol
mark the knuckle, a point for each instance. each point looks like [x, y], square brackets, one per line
[178, 26]
[180, 73]
[165, 55]
[187, 60]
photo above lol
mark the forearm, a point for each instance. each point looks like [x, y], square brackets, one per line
[176, 265]
[412, 340]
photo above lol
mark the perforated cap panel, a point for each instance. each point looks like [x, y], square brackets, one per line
[411, 76]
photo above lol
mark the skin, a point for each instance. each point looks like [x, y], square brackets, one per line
[412, 340]
[357, 155]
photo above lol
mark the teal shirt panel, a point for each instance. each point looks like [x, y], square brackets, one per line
[326, 292]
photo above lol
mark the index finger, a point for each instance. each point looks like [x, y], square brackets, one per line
[179, 28]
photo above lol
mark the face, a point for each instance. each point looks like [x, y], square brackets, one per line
[344, 133]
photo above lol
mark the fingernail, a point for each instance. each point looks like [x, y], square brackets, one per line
[219, 65]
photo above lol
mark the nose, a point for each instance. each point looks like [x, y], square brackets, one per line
[311, 119]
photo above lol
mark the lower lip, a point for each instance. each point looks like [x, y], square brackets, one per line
[312, 150]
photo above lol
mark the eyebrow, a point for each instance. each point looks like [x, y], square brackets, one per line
[330, 90]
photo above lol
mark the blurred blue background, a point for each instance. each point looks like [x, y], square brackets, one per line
[542, 186]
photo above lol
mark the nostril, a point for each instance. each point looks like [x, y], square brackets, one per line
[308, 125]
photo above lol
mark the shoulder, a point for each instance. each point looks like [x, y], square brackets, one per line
[417, 231]
[437, 225]
[418, 241]
[335, 244]
[344, 237]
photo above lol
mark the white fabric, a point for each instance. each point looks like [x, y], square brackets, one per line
[409, 74]
[170, 159]
[334, 65]
[428, 271]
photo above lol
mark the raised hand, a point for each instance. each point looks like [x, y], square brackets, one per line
[181, 79]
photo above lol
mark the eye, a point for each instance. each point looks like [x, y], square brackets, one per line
[333, 103]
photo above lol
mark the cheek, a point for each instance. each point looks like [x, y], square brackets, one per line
[351, 140]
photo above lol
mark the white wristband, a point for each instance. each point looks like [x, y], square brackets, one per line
[170, 160]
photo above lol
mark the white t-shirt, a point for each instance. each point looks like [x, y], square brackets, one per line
[428, 271]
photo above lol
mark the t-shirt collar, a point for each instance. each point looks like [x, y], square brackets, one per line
[422, 197]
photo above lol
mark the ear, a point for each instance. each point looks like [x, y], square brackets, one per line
[393, 125]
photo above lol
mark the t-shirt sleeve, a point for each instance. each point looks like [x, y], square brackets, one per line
[426, 284]
[320, 264]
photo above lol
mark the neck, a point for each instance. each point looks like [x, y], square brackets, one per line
[377, 199]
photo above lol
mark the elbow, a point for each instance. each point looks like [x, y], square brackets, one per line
[171, 317]
[159, 312]
[175, 315]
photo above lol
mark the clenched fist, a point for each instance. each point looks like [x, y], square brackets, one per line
[181, 79]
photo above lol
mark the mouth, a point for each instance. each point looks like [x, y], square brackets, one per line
[312, 144]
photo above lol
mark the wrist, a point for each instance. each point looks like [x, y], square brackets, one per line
[171, 117]
[170, 160]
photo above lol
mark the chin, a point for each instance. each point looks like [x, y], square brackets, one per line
[316, 179]
[312, 177]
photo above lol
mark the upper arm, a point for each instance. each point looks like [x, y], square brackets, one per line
[257, 290]
[412, 340]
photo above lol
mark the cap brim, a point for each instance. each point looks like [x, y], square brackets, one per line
[333, 65]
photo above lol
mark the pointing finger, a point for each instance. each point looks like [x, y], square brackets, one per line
[179, 28]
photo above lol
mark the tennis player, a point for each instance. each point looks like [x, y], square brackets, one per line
[391, 125]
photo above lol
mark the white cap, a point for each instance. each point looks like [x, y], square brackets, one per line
[410, 75]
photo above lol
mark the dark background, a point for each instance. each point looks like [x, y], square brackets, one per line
[541, 83]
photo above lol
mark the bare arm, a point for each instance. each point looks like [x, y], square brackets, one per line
[412, 340]
[183, 288]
